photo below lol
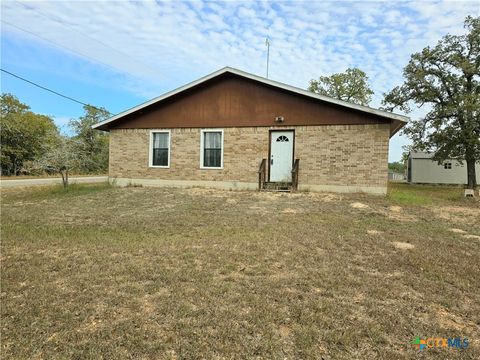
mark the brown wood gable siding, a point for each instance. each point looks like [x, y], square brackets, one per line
[231, 101]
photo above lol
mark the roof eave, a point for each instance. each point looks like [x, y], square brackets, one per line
[396, 126]
[389, 115]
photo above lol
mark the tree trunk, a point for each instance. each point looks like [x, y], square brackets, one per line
[471, 176]
[63, 177]
[64, 173]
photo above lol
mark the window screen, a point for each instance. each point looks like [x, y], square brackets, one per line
[160, 149]
[212, 149]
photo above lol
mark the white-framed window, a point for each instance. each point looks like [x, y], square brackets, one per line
[159, 150]
[211, 149]
[447, 165]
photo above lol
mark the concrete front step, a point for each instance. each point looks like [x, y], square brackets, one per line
[274, 186]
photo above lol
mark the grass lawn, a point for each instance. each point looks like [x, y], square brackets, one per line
[156, 273]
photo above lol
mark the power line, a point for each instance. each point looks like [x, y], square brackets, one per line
[50, 90]
[60, 46]
[46, 16]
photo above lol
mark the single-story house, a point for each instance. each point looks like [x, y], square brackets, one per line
[236, 130]
[421, 169]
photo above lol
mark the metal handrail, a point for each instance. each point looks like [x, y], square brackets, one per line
[262, 174]
[295, 169]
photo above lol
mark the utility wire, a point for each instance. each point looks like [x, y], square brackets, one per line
[86, 35]
[60, 46]
[50, 90]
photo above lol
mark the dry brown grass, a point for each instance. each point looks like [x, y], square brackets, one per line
[102, 272]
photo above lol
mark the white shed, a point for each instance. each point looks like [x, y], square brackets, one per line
[422, 169]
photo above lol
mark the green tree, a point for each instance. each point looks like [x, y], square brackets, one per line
[396, 166]
[91, 145]
[60, 156]
[447, 78]
[351, 86]
[23, 134]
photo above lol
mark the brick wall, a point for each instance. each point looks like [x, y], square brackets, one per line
[342, 155]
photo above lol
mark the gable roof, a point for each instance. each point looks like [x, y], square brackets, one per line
[399, 120]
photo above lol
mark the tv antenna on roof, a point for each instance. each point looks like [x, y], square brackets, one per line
[267, 43]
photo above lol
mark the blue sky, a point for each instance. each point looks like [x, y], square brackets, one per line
[117, 54]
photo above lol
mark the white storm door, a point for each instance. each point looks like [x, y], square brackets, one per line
[281, 156]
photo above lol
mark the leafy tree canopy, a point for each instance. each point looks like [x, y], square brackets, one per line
[447, 79]
[23, 134]
[91, 145]
[60, 157]
[396, 166]
[351, 86]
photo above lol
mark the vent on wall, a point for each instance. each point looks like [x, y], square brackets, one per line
[279, 119]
